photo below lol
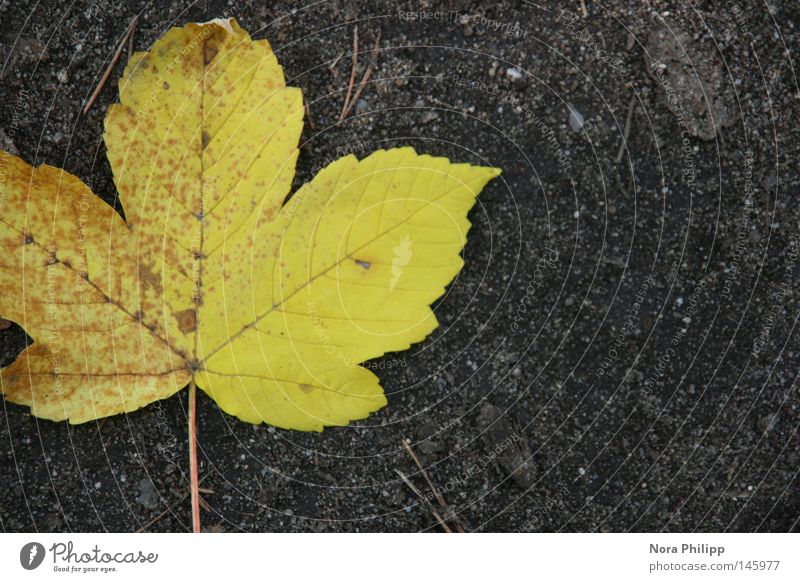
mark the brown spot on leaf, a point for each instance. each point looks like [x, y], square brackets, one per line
[213, 42]
[206, 139]
[209, 52]
[306, 388]
[365, 264]
[187, 320]
[166, 86]
[147, 275]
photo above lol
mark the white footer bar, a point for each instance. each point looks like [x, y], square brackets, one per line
[354, 557]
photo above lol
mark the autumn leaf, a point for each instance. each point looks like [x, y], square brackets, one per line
[212, 277]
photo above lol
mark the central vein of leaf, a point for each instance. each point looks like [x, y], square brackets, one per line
[206, 57]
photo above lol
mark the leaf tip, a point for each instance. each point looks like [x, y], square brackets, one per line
[491, 172]
[226, 23]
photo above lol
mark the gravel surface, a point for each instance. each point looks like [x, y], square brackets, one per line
[620, 351]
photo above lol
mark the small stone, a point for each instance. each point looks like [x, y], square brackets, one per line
[148, 496]
[431, 446]
[513, 73]
[62, 76]
[768, 422]
[7, 144]
[575, 119]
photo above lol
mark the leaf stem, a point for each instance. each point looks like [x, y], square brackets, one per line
[195, 483]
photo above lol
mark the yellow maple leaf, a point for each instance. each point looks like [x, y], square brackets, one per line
[212, 278]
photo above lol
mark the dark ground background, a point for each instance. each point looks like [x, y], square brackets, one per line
[705, 441]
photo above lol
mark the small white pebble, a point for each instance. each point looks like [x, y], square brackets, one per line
[513, 73]
[575, 119]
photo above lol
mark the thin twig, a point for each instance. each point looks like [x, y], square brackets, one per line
[193, 473]
[422, 498]
[111, 65]
[360, 88]
[440, 500]
[365, 78]
[311, 123]
[626, 132]
[713, 16]
[352, 74]
[422, 470]
[130, 38]
[150, 523]
[336, 61]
